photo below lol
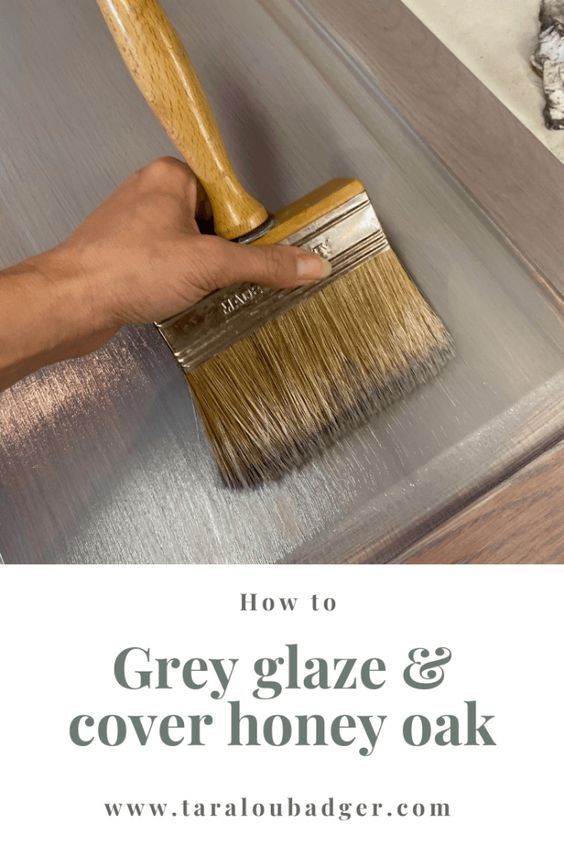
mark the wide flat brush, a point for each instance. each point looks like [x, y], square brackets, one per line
[278, 375]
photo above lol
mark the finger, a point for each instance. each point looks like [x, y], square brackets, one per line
[171, 174]
[275, 266]
[203, 205]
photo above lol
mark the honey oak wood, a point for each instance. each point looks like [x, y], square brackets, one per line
[159, 64]
[311, 207]
[520, 521]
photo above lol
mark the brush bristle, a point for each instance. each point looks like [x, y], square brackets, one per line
[279, 397]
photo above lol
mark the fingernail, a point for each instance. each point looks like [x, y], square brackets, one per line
[312, 267]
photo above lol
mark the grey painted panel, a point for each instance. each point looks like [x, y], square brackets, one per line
[103, 460]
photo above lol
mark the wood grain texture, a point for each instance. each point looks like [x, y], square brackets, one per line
[498, 161]
[159, 64]
[521, 521]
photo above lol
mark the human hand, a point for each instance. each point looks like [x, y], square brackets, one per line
[145, 259]
[138, 257]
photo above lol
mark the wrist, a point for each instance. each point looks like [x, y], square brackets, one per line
[49, 313]
[79, 314]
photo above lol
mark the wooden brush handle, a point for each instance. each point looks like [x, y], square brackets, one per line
[160, 66]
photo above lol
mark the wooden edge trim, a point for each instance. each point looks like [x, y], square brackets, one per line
[512, 176]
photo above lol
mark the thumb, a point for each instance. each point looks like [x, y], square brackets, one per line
[273, 266]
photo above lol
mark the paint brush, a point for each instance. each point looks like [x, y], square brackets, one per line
[279, 375]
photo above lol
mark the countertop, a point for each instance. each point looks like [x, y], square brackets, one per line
[495, 41]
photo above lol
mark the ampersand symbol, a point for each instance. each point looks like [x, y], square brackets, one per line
[423, 673]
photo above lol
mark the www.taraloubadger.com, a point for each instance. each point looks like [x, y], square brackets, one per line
[289, 808]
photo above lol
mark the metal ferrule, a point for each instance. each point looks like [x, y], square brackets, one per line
[347, 236]
[257, 233]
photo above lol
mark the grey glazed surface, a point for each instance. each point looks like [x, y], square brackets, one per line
[103, 460]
